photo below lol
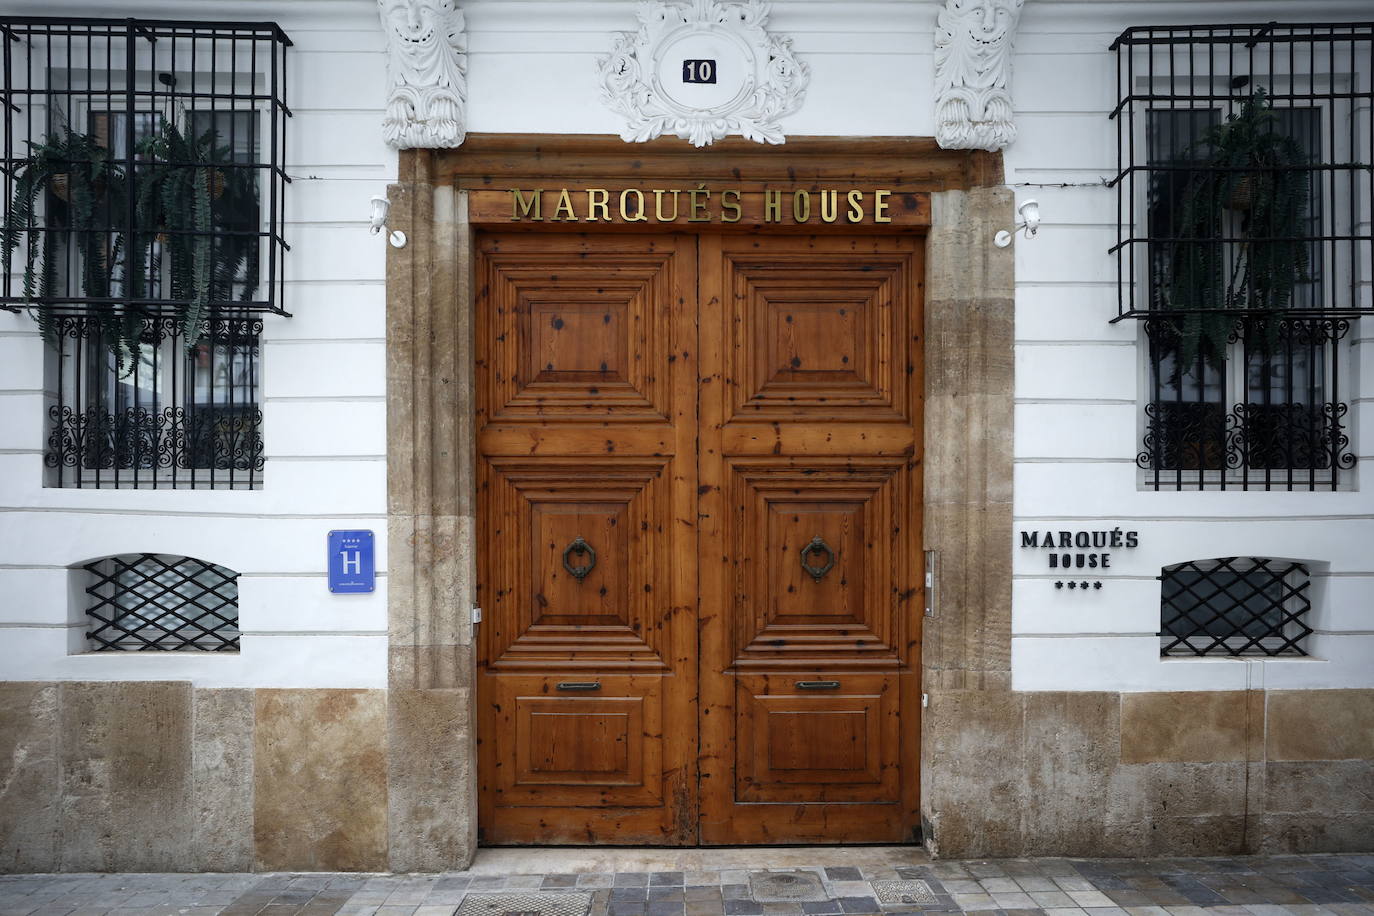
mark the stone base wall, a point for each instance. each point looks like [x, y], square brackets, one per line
[160, 776]
[1148, 774]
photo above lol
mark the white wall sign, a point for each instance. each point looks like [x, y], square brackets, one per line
[702, 69]
[973, 47]
[427, 96]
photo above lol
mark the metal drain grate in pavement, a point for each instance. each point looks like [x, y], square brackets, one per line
[532, 904]
[903, 892]
[785, 886]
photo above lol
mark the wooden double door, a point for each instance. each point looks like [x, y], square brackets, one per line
[699, 500]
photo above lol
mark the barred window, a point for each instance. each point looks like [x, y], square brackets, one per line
[1246, 400]
[1244, 245]
[1234, 606]
[143, 229]
[154, 602]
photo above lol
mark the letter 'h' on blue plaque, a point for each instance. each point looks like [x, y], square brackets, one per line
[352, 562]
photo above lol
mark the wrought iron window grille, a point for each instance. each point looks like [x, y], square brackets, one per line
[1244, 194]
[163, 416]
[1234, 606]
[1267, 418]
[144, 187]
[150, 602]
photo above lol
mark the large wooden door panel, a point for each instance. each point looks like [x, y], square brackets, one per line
[810, 480]
[817, 737]
[699, 511]
[580, 334]
[592, 749]
[818, 329]
[586, 393]
[788, 521]
[584, 604]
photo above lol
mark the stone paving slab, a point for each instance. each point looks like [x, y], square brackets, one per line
[1314, 885]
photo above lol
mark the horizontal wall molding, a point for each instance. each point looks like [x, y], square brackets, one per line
[1207, 519]
[184, 513]
[319, 341]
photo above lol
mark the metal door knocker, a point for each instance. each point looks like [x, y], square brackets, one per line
[817, 546]
[582, 549]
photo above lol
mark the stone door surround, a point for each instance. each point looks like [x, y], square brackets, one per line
[968, 415]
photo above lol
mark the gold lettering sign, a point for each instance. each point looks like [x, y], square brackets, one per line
[704, 205]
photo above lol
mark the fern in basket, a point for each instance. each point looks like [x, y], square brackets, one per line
[187, 190]
[1252, 170]
[78, 171]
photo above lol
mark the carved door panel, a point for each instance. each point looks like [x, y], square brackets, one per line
[586, 413]
[810, 526]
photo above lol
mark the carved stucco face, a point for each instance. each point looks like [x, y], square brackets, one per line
[419, 23]
[988, 21]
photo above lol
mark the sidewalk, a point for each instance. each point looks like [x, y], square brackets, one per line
[882, 881]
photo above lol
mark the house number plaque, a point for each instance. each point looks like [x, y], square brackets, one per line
[699, 71]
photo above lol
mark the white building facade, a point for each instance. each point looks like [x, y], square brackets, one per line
[1114, 609]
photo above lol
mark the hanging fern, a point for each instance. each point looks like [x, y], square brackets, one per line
[189, 189]
[72, 166]
[1249, 168]
[194, 321]
[194, 214]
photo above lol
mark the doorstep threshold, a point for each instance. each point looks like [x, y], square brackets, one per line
[549, 860]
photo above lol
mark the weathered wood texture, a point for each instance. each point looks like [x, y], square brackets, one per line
[810, 418]
[586, 414]
[911, 163]
[594, 352]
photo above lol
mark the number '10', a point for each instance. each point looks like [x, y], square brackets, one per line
[698, 71]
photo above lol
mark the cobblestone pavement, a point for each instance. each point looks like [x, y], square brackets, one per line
[1314, 885]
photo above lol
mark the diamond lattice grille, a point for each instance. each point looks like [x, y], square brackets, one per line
[144, 602]
[1234, 606]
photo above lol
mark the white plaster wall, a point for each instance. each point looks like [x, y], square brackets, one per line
[532, 69]
[324, 406]
[1079, 386]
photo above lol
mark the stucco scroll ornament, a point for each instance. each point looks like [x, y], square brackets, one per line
[973, 48]
[755, 78]
[426, 73]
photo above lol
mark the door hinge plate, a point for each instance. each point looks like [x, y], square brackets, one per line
[476, 615]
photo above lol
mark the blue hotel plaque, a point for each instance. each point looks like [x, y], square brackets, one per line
[352, 562]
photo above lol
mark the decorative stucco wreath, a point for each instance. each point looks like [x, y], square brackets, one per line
[771, 86]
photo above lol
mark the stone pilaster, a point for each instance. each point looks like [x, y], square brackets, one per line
[966, 647]
[431, 590]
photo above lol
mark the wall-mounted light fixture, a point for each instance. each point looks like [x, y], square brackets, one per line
[380, 208]
[1029, 212]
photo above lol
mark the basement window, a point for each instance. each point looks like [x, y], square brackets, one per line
[1234, 606]
[155, 602]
